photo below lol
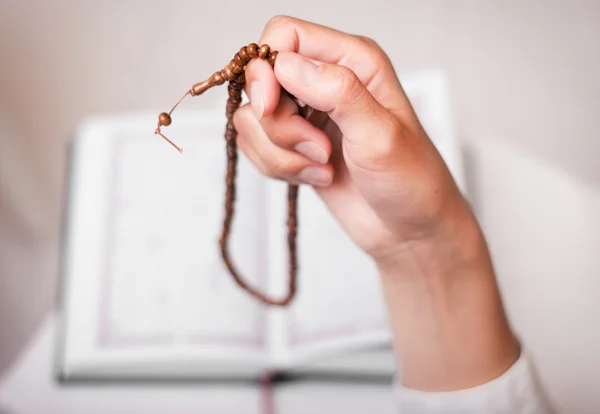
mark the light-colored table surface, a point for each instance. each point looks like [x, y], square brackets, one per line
[28, 387]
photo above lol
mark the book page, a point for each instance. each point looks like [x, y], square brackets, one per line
[339, 298]
[164, 280]
[340, 291]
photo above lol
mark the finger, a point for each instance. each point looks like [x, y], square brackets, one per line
[362, 55]
[370, 131]
[262, 88]
[288, 130]
[274, 161]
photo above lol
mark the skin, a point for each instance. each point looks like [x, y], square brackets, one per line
[367, 155]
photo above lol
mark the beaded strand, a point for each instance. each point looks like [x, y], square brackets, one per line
[235, 75]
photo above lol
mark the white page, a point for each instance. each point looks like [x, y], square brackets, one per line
[164, 249]
[339, 302]
[158, 290]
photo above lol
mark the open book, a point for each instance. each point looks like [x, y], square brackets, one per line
[145, 293]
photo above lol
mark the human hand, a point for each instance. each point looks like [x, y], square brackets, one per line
[364, 150]
[368, 157]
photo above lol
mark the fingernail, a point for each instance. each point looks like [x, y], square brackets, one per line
[256, 99]
[296, 68]
[315, 176]
[312, 151]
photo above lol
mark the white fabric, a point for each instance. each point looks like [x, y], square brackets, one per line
[514, 392]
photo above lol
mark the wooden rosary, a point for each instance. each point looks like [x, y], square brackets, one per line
[234, 73]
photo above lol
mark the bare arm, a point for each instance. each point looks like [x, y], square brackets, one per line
[447, 319]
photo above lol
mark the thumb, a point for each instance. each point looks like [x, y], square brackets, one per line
[369, 130]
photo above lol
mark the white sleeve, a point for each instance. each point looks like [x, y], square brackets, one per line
[514, 392]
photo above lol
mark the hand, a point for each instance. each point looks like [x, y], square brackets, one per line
[364, 149]
[368, 157]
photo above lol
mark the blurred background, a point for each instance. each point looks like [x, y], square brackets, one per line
[526, 102]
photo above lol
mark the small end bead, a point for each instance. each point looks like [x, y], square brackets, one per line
[164, 119]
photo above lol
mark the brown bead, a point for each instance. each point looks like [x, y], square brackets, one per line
[272, 57]
[241, 78]
[239, 60]
[164, 119]
[228, 73]
[263, 52]
[238, 82]
[244, 55]
[235, 67]
[252, 50]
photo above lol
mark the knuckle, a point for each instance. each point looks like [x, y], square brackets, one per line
[374, 53]
[369, 42]
[373, 49]
[278, 21]
[277, 139]
[268, 170]
[279, 134]
[271, 170]
[281, 168]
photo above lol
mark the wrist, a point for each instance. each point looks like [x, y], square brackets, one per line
[447, 320]
[455, 243]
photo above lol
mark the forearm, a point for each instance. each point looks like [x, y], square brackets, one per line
[448, 324]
